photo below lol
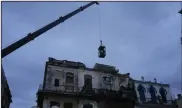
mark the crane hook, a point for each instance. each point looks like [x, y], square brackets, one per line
[101, 50]
[100, 42]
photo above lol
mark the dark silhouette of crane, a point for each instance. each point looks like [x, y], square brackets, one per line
[31, 36]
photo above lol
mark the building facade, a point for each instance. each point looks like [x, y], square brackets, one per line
[70, 84]
[153, 94]
[179, 101]
[5, 91]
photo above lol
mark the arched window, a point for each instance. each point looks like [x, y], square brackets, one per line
[141, 91]
[88, 105]
[68, 105]
[88, 81]
[141, 88]
[153, 93]
[54, 104]
[163, 93]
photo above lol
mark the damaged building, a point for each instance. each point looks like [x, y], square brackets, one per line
[69, 84]
[152, 94]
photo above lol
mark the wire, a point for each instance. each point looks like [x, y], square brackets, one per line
[181, 49]
[99, 21]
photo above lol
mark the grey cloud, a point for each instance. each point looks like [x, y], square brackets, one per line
[149, 12]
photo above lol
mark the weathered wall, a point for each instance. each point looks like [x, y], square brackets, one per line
[55, 72]
[157, 87]
[95, 78]
[76, 103]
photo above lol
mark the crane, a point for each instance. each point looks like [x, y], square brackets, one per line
[31, 36]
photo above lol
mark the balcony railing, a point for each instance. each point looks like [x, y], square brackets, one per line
[149, 101]
[65, 89]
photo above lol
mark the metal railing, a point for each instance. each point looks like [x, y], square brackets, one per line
[63, 88]
[68, 89]
[149, 101]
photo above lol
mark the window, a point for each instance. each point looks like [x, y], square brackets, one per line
[68, 105]
[69, 77]
[141, 91]
[107, 80]
[88, 106]
[153, 93]
[88, 81]
[56, 82]
[69, 82]
[54, 104]
[163, 93]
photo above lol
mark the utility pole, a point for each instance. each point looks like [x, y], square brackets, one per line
[180, 12]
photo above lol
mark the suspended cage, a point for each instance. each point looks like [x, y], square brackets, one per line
[102, 48]
[102, 51]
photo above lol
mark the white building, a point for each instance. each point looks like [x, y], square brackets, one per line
[70, 84]
[153, 94]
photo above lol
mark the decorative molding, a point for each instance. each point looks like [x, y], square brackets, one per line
[151, 83]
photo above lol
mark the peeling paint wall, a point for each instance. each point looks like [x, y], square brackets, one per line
[55, 72]
[95, 78]
[99, 81]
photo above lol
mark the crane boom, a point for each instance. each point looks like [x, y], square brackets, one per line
[32, 36]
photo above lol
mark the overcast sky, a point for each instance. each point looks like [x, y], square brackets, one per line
[142, 38]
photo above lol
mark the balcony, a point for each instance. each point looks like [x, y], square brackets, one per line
[149, 101]
[88, 92]
[67, 89]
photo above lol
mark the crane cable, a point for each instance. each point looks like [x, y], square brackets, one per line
[181, 47]
[99, 21]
